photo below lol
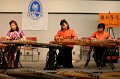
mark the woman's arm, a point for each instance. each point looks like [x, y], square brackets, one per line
[8, 36]
[22, 35]
[58, 36]
[93, 36]
[74, 36]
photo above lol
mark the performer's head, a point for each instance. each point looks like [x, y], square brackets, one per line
[64, 24]
[101, 27]
[13, 25]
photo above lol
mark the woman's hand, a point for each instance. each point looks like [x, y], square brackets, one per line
[94, 39]
[75, 38]
[8, 38]
[23, 38]
[59, 38]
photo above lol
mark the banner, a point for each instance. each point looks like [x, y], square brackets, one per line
[35, 15]
[110, 19]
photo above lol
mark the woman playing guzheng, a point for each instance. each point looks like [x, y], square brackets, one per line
[100, 34]
[64, 57]
[13, 34]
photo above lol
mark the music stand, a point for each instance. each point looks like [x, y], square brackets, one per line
[111, 32]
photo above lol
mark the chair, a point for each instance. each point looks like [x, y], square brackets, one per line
[26, 49]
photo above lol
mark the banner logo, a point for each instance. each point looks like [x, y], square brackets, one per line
[35, 9]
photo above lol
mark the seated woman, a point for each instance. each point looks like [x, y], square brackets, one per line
[13, 34]
[64, 57]
[100, 34]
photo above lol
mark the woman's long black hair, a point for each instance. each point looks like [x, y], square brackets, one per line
[17, 28]
[62, 22]
[101, 25]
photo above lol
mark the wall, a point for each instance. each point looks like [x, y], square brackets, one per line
[65, 6]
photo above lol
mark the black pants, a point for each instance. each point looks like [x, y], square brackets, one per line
[100, 55]
[10, 51]
[65, 57]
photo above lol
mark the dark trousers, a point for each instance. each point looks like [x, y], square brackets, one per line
[100, 55]
[17, 59]
[10, 51]
[65, 57]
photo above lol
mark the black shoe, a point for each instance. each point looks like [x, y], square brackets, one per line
[99, 68]
[104, 65]
[98, 64]
[59, 66]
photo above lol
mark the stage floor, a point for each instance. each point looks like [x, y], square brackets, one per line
[78, 67]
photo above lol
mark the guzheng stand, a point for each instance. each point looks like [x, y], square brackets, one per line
[10, 48]
[110, 53]
[3, 62]
[51, 59]
[51, 55]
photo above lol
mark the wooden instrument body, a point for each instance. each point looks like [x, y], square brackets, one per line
[90, 75]
[103, 43]
[28, 43]
[2, 46]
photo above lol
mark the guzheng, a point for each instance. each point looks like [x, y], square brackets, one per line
[103, 43]
[66, 42]
[29, 43]
[2, 46]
